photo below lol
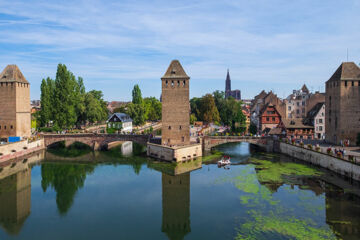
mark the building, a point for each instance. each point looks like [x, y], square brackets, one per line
[296, 103]
[120, 122]
[175, 140]
[246, 112]
[295, 128]
[175, 106]
[228, 92]
[342, 104]
[269, 118]
[14, 103]
[314, 99]
[258, 104]
[316, 118]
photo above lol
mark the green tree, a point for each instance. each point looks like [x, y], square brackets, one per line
[45, 98]
[137, 113]
[136, 95]
[253, 129]
[208, 112]
[65, 97]
[193, 118]
[96, 110]
[195, 107]
[153, 109]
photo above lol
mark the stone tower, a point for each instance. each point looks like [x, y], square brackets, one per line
[175, 106]
[15, 117]
[342, 104]
[228, 85]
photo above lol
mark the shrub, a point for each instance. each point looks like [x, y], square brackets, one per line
[293, 141]
[310, 146]
[317, 149]
[329, 151]
[301, 144]
[351, 158]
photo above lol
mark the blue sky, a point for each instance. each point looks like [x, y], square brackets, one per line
[267, 44]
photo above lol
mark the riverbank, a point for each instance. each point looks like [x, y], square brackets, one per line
[340, 166]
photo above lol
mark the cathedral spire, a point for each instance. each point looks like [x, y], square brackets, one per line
[227, 82]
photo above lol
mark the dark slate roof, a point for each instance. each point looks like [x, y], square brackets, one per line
[295, 123]
[175, 70]
[122, 116]
[312, 113]
[12, 74]
[346, 71]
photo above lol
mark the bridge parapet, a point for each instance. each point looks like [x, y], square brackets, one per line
[211, 141]
[95, 141]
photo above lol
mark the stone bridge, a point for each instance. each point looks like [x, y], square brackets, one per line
[211, 141]
[95, 141]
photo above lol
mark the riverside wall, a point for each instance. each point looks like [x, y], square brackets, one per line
[340, 166]
[19, 149]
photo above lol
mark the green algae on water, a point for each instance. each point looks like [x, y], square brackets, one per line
[276, 227]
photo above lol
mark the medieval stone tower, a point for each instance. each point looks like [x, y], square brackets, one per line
[342, 118]
[15, 117]
[175, 106]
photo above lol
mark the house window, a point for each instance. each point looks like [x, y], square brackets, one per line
[320, 120]
[297, 104]
[352, 83]
[5, 127]
[169, 127]
[345, 83]
[267, 119]
[303, 103]
[273, 119]
[297, 111]
[289, 108]
[183, 139]
[320, 128]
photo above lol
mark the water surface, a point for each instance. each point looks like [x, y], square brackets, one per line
[114, 195]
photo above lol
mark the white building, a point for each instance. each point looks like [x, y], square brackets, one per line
[316, 118]
[120, 122]
[296, 103]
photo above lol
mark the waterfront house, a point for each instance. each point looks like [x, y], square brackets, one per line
[295, 128]
[269, 118]
[316, 118]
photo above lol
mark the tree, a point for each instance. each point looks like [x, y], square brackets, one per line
[45, 98]
[193, 118]
[153, 109]
[195, 107]
[65, 83]
[136, 95]
[137, 113]
[253, 129]
[208, 112]
[94, 109]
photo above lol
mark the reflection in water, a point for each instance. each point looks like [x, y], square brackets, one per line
[66, 180]
[15, 200]
[15, 192]
[176, 205]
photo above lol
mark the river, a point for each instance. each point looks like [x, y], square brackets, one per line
[124, 195]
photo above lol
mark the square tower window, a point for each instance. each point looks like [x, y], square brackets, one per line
[180, 127]
[169, 127]
[184, 83]
[178, 83]
[183, 139]
[172, 83]
[5, 127]
[166, 83]
[11, 127]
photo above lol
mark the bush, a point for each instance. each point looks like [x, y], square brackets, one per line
[301, 144]
[110, 130]
[317, 149]
[351, 158]
[310, 146]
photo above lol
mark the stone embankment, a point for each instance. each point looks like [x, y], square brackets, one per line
[19, 149]
[318, 158]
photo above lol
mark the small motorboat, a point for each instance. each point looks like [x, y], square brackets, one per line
[225, 160]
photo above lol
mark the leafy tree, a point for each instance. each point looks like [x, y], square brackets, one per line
[208, 112]
[153, 109]
[253, 129]
[94, 109]
[45, 98]
[193, 118]
[195, 107]
[137, 113]
[136, 95]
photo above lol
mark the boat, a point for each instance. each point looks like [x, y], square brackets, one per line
[225, 160]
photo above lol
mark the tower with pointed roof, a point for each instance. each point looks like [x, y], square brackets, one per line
[175, 106]
[15, 117]
[228, 92]
[342, 110]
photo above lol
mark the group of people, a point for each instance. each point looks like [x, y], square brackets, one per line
[341, 151]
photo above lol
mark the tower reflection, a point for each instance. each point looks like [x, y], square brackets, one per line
[176, 197]
[15, 193]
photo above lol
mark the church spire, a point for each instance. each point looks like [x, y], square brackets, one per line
[227, 82]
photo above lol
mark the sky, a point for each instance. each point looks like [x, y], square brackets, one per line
[274, 45]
